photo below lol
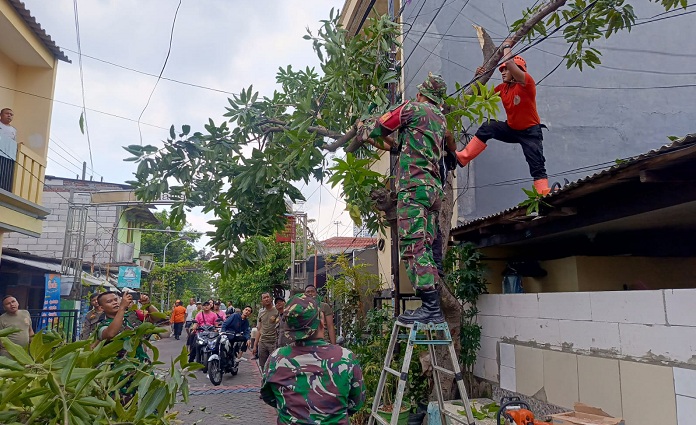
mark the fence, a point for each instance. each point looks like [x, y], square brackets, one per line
[63, 321]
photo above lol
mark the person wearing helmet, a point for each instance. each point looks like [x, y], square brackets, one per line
[518, 95]
[420, 145]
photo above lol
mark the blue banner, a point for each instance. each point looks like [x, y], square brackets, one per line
[129, 277]
[51, 301]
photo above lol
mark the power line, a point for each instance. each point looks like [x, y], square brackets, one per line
[153, 75]
[80, 106]
[438, 43]
[416, 17]
[64, 167]
[675, 86]
[78, 167]
[426, 29]
[68, 152]
[82, 82]
[159, 77]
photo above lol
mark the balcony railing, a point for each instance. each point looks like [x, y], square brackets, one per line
[30, 169]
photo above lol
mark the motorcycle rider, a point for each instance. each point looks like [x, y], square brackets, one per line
[237, 326]
[204, 317]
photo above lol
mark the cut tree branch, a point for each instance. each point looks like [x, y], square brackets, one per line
[491, 59]
[491, 54]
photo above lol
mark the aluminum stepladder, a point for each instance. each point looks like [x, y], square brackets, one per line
[421, 334]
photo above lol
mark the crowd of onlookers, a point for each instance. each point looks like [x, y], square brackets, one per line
[305, 374]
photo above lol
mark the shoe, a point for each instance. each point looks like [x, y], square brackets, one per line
[542, 186]
[428, 312]
[471, 151]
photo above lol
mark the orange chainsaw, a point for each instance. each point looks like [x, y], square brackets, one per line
[516, 412]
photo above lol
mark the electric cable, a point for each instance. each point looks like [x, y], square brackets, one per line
[154, 75]
[82, 82]
[55, 142]
[570, 47]
[79, 106]
[65, 159]
[426, 29]
[437, 44]
[159, 77]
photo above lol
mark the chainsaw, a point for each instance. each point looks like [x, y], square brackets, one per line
[516, 412]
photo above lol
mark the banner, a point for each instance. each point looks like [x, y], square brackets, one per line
[51, 301]
[288, 234]
[129, 277]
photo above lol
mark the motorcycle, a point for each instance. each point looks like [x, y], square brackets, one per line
[223, 356]
[204, 334]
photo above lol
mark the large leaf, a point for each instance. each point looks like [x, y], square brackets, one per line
[16, 351]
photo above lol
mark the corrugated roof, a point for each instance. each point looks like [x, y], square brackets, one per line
[36, 28]
[686, 142]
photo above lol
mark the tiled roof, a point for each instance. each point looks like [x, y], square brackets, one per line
[36, 28]
[688, 141]
[348, 242]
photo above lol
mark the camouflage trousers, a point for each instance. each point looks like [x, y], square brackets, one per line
[417, 211]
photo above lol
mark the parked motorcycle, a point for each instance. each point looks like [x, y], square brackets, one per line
[200, 353]
[223, 356]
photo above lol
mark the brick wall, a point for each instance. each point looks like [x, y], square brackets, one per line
[631, 352]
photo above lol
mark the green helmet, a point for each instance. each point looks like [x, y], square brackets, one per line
[434, 88]
[302, 317]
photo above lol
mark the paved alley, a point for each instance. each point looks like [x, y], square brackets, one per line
[235, 401]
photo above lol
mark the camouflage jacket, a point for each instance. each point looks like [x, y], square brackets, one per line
[313, 383]
[421, 139]
[91, 319]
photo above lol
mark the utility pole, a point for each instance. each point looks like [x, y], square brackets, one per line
[337, 223]
[393, 160]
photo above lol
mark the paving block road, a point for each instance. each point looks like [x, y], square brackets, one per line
[235, 401]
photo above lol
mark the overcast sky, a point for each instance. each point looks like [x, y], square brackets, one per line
[225, 45]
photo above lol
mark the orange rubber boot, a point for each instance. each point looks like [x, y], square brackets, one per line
[542, 186]
[471, 151]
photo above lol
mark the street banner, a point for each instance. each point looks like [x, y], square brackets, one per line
[129, 277]
[51, 301]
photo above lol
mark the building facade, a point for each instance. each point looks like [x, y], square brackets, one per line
[28, 64]
[611, 322]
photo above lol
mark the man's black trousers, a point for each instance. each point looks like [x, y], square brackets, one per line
[530, 140]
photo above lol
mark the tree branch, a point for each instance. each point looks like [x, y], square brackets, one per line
[491, 58]
[340, 138]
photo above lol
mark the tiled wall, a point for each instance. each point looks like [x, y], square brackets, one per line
[632, 353]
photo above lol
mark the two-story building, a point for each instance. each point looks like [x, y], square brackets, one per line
[111, 233]
[28, 63]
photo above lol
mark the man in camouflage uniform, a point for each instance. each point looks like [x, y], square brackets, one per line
[92, 318]
[422, 128]
[311, 381]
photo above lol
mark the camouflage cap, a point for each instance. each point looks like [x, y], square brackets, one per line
[434, 88]
[302, 317]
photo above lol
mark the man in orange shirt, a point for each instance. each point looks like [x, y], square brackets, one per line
[178, 318]
[523, 126]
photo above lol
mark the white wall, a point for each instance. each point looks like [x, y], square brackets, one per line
[632, 353]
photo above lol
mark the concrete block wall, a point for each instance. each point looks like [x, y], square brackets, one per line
[99, 231]
[632, 353]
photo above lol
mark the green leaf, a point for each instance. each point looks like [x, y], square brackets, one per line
[16, 351]
[82, 122]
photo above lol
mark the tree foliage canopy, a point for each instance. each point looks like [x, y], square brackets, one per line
[245, 169]
[154, 242]
[247, 285]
